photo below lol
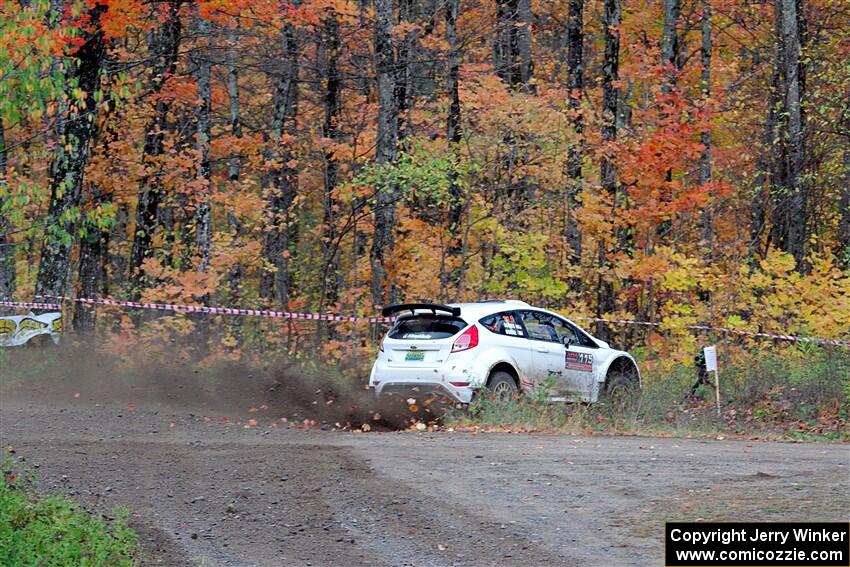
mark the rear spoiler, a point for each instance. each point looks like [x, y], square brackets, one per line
[392, 309]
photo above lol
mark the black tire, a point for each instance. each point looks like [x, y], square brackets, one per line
[502, 386]
[621, 389]
[39, 341]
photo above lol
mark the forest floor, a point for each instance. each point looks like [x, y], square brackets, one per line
[222, 480]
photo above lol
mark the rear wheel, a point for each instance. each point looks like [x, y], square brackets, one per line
[502, 386]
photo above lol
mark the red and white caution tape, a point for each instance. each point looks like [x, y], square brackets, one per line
[24, 305]
[222, 310]
[794, 338]
[355, 319]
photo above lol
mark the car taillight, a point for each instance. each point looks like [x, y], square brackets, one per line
[467, 340]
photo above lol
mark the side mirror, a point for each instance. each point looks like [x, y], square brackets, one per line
[567, 341]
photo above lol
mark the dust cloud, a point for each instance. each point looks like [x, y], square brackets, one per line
[279, 391]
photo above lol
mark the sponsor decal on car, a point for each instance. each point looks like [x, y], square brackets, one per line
[31, 325]
[7, 328]
[580, 361]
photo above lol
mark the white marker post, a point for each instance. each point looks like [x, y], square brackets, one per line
[710, 353]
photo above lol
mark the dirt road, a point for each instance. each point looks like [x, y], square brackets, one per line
[204, 492]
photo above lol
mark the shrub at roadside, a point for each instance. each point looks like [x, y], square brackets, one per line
[55, 531]
[801, 397]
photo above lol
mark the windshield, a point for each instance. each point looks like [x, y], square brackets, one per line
[427, 327]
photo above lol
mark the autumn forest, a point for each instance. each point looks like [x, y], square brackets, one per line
[672, 161]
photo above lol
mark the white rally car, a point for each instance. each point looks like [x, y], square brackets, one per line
[505, 346]
[17, 330]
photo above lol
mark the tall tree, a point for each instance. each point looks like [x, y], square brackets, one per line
[705, 135]
[201, 59]
[670, 42]
[234, 165]
[330, 130]
[281, 183]
[844, 199]
[454, 276]
[386, 151]
[607, 168]
[163, 45]
[512, 43]
[70, 159]
[790, 196]
[575, 88]
[7, 245]
[203, 134]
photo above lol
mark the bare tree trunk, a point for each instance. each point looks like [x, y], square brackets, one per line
[768, 174]
[163, 45]
[7, 245]
[69, 164]
[330, 242]
[234, 166]
[282, 181]
[234, 172]
[94, 246]
[386, 149]
[203, 121]
[608, 172]
[202, 62]
[843, 252]
[523, 44]
[705, 136]
[670, 42]
[791, 218]
[575, 86]
[455, 275]
[512, 43]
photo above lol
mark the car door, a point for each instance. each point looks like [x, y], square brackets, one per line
[581, 360]
[571, 367]
[509, 335]
[547, 352]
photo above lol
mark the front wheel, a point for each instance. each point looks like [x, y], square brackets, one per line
[621, 390]
[502, 386]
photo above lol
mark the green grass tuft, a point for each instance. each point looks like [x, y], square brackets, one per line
[54, 531]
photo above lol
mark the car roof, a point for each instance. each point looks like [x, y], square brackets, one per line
[480, 309]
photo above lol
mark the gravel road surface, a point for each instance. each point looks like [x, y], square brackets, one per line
[203, 492]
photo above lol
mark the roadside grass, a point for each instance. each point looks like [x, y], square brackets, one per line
[54, 530]
[800, 398]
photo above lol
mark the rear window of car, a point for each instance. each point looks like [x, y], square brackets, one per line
[426, 327]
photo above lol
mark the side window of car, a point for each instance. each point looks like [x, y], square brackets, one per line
[581, 338]
[545, 327]
[565, 331]
[503, 324]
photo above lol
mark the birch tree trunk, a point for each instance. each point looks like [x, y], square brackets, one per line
[386, 151]
[203, 134]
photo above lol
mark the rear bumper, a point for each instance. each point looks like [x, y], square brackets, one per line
[420, 390]
[453, 379]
